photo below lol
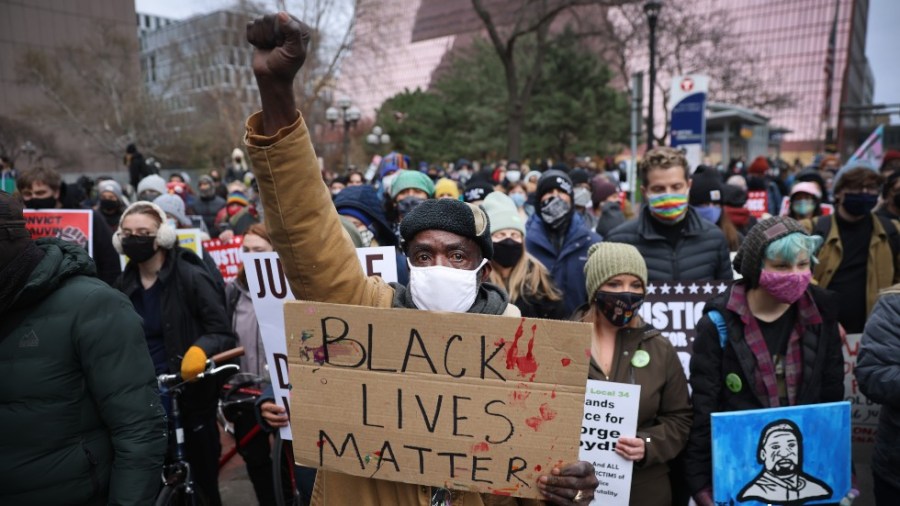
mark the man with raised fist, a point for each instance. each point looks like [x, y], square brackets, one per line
[441, 238]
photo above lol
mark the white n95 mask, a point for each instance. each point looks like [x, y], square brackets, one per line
[439, 288]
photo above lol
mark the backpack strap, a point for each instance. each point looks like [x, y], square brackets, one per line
[719, 321]
[891, 229]
[822, 226]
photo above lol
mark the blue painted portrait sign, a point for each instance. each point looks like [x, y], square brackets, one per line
[793, 455]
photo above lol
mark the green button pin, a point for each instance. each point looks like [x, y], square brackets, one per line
[733, 382]
[641, 359]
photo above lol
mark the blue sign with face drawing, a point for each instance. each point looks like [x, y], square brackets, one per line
[793, 455]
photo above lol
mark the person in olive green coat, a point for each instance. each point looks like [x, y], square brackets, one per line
[80, 418]
[626, 350]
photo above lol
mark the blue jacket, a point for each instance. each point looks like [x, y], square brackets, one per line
[567, 264]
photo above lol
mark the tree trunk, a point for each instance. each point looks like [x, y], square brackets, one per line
[514, 130]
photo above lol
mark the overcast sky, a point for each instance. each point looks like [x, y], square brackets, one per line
[881, 42]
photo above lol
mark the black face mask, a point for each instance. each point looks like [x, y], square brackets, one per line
[508, 252]
[109, 206]
[408, 204]
[859, 204]
[556, 213]
[44, 203]
[139, 248]
[618, 307]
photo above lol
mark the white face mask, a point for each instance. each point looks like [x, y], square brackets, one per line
[439, 288]
[513, 176]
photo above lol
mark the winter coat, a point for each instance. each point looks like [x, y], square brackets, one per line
[320, 264]
[664, 411]
[878, 373]
[566, 265]
[193, 313]
[209, 209]
[80, 416]
[701, 255]
[822, 374]
[882, 268]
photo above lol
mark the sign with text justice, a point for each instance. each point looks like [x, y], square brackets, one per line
[469, 402]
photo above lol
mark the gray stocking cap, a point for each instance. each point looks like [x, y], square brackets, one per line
[752, 252]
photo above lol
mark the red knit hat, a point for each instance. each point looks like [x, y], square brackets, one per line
[759, 166]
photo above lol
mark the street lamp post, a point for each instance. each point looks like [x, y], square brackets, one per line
[378, 137]
[651, 9]
[349, 114]
[29, 149]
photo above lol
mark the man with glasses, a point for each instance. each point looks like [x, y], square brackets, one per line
[859, 256]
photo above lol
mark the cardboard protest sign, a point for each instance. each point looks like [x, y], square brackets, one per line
[610, 412]
[71, 225]
[792, 455]
[269, 290]
[456, 400]
[226, 256]
[192, 239]
[675, 307]
[757, 203]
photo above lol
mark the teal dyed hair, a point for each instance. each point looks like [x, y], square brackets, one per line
[789, 247]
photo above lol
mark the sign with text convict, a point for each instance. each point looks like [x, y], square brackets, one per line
[70, 225]
[457, 400]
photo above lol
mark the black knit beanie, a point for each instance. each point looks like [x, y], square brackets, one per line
[753, 250]
[13, 234]
[551, 180]
[450, 215]
[706, 187]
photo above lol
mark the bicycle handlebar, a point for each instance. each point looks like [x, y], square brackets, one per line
[227, 355]
[175, 380]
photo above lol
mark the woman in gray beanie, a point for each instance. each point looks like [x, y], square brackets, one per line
[770, 340]
[624, 349]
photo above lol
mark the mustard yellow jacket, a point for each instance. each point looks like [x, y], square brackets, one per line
[321, 265]
[882, 269]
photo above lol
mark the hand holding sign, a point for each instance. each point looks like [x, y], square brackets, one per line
[570, 485]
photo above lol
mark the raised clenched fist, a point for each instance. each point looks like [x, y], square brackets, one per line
[280, 41]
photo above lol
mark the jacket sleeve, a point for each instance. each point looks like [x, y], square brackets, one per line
[833, 373]
[878, 364]
[119, 374]
[706, 381]
[669, 434]
[208, 301]
[317, 254]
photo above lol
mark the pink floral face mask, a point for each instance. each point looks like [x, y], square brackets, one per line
[786, 287]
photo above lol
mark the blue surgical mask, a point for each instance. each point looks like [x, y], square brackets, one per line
[518, 199]
[710, 213]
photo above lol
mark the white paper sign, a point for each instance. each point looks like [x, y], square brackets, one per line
[610, 412]
[269, 290]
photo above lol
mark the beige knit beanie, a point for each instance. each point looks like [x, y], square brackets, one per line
[609, 259]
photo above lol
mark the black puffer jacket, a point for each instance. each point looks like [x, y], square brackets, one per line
[80, 417]
[193, 313]
[822, 377]
[700, 256]
[878, 373]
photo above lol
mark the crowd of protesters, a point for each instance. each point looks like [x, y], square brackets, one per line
[80, 414]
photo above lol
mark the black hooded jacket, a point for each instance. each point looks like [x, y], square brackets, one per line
[193, 313]
[822, 378]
